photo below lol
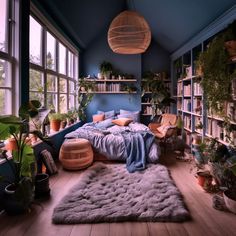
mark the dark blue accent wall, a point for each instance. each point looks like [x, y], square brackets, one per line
[155, 58]
[131, 64]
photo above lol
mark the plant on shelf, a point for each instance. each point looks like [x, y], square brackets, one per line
[106, 69]
[19, 192]
[160, 94]
[217, 74]
[86, 87]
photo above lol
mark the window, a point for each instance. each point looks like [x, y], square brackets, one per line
[52, 68]
[6, 58]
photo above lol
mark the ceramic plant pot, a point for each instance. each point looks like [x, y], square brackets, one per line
[229, 202]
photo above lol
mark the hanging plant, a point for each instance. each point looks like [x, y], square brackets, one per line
[217, 79]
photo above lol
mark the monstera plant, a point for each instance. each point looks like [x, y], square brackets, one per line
[19, 191]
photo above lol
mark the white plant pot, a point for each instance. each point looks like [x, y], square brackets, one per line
[230, 203]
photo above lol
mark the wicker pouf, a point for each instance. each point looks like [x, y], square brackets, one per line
[76, 154]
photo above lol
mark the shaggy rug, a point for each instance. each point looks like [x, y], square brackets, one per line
[109, 193]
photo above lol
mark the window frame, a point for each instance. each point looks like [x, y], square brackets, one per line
[9, 55]
[47, 27]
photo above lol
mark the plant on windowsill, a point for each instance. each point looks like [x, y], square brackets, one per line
[19, 192]
[55, 121]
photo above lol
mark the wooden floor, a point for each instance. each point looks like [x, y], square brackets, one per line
[205, 219]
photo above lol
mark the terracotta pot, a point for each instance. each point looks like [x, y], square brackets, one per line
[204, 178]
[11, 144]
[229, 202]
[231, 48]
[55, 125]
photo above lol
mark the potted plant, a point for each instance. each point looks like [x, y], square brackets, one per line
[106, 69]
[160, 94]
[230, 183]
[85, 96]
[55, 121]
[19, 191]
[230, 40]
[63, 120]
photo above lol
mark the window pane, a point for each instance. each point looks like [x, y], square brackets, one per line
[71, 87]
[5, 100]
[70, 64]
[63, 85]
[3, 25]
[37, 96]
[5, 76]
[52, 101]
[36, 81]
[62, 59]
[51, 51]
[51, 83]
[71, 101]
[35, 41]
[63, 103]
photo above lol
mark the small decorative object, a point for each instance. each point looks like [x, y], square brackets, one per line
[129, 33]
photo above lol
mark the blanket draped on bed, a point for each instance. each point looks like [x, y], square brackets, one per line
[137, 147]
[133, 144]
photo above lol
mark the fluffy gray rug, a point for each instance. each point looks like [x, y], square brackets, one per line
[108, 193]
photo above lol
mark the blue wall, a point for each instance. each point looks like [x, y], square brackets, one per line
[131, 64]
[155, 59]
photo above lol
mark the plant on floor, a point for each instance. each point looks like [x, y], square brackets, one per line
[160, 94]
[22, 165]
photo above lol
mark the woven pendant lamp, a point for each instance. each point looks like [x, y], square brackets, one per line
[129, 33]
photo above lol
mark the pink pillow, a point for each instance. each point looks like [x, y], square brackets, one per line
[99, 117]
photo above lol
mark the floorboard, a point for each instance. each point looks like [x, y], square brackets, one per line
[205, 219]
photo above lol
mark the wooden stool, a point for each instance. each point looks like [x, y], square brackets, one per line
[76, 154]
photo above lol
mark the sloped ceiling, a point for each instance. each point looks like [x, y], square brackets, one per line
[172, 22]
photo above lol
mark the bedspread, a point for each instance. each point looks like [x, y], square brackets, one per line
[133, 143]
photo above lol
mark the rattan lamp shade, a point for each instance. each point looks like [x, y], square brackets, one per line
[129, 33]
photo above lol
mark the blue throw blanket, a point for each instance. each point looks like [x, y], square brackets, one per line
[137, 148]
[133, 144]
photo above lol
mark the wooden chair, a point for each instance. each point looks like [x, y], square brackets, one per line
[165, 128]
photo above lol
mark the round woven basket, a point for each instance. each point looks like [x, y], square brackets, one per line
[129, 33]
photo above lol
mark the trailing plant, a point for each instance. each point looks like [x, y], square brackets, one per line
[160, 94]
[86, 88]
[217, 79]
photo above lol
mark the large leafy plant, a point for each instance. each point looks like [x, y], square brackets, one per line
[86, 89]
[23, 160]
[217, 75]
[160, 94]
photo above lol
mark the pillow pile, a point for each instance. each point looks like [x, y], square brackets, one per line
[134, 115]
[98, 117]
[104, 124]
[122, 121]
[108, 114]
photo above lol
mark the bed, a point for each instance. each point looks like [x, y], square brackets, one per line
[133, 144]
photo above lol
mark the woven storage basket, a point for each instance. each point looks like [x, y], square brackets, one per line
[76, 154]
